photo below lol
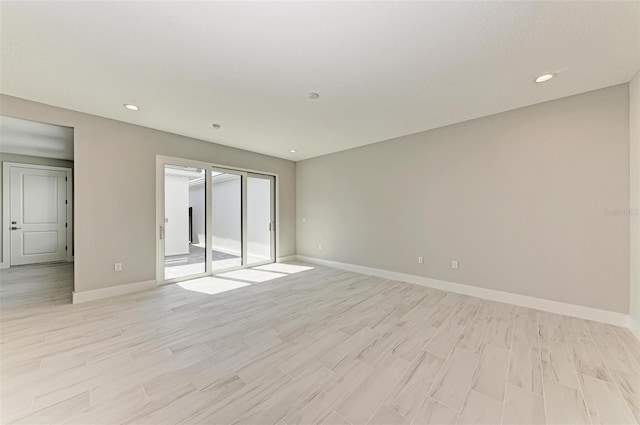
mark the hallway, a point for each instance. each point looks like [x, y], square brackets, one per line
[36, 285]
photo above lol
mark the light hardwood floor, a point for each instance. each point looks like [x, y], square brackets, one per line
[290, 345]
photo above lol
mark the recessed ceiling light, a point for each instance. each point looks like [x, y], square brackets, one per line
[131, 107]
[314, 96]
[293, 150]
[216, 126]
[545, 77]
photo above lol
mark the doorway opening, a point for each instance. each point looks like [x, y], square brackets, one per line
[212, 219]
[37, 212]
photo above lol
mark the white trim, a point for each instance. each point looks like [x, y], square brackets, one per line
[159, 219]
[161, 160]
[112, 291]
[273, 212]
[244, 218]
[6, 208]
[286, 259]
[634, 327]
[276, 194]
[6, 237]
[582, 312]
[201, 164]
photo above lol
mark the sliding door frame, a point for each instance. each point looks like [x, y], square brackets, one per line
[243, 216]
[161, 161]
[273, 226]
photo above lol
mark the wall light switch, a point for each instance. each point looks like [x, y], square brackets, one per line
[304, 219]
[117, 267]
[319, 247]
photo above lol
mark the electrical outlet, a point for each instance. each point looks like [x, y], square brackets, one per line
[420, 260]
[117, 267]
[319, 247]
[454, 264]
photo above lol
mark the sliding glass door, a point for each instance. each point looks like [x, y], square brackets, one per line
[184, 222]
[212, 219]
[226, 219]
[260, 219]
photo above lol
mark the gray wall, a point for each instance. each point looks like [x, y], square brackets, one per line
[26, 159]
[115, 189]
[634, 137]
[526, 200]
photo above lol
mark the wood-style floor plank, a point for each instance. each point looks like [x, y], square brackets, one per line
[292, 344]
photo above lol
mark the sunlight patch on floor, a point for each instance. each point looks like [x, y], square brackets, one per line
[211, 285]
[251, 275]
[283, 268]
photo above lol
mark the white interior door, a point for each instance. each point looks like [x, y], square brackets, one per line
[38, 215]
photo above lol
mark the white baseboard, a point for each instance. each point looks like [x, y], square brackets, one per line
[581, 312]
[112, 291]
[285, 259]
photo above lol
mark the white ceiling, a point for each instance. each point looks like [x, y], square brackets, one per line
[24, 137]
[383, 69]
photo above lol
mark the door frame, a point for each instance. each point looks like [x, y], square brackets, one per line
[160, 163]
[243, 217]
[161, 160]
[6, 208]
[272, 220]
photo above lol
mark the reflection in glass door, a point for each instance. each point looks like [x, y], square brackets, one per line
[226, 219]
[260, 219]
[184, 222]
